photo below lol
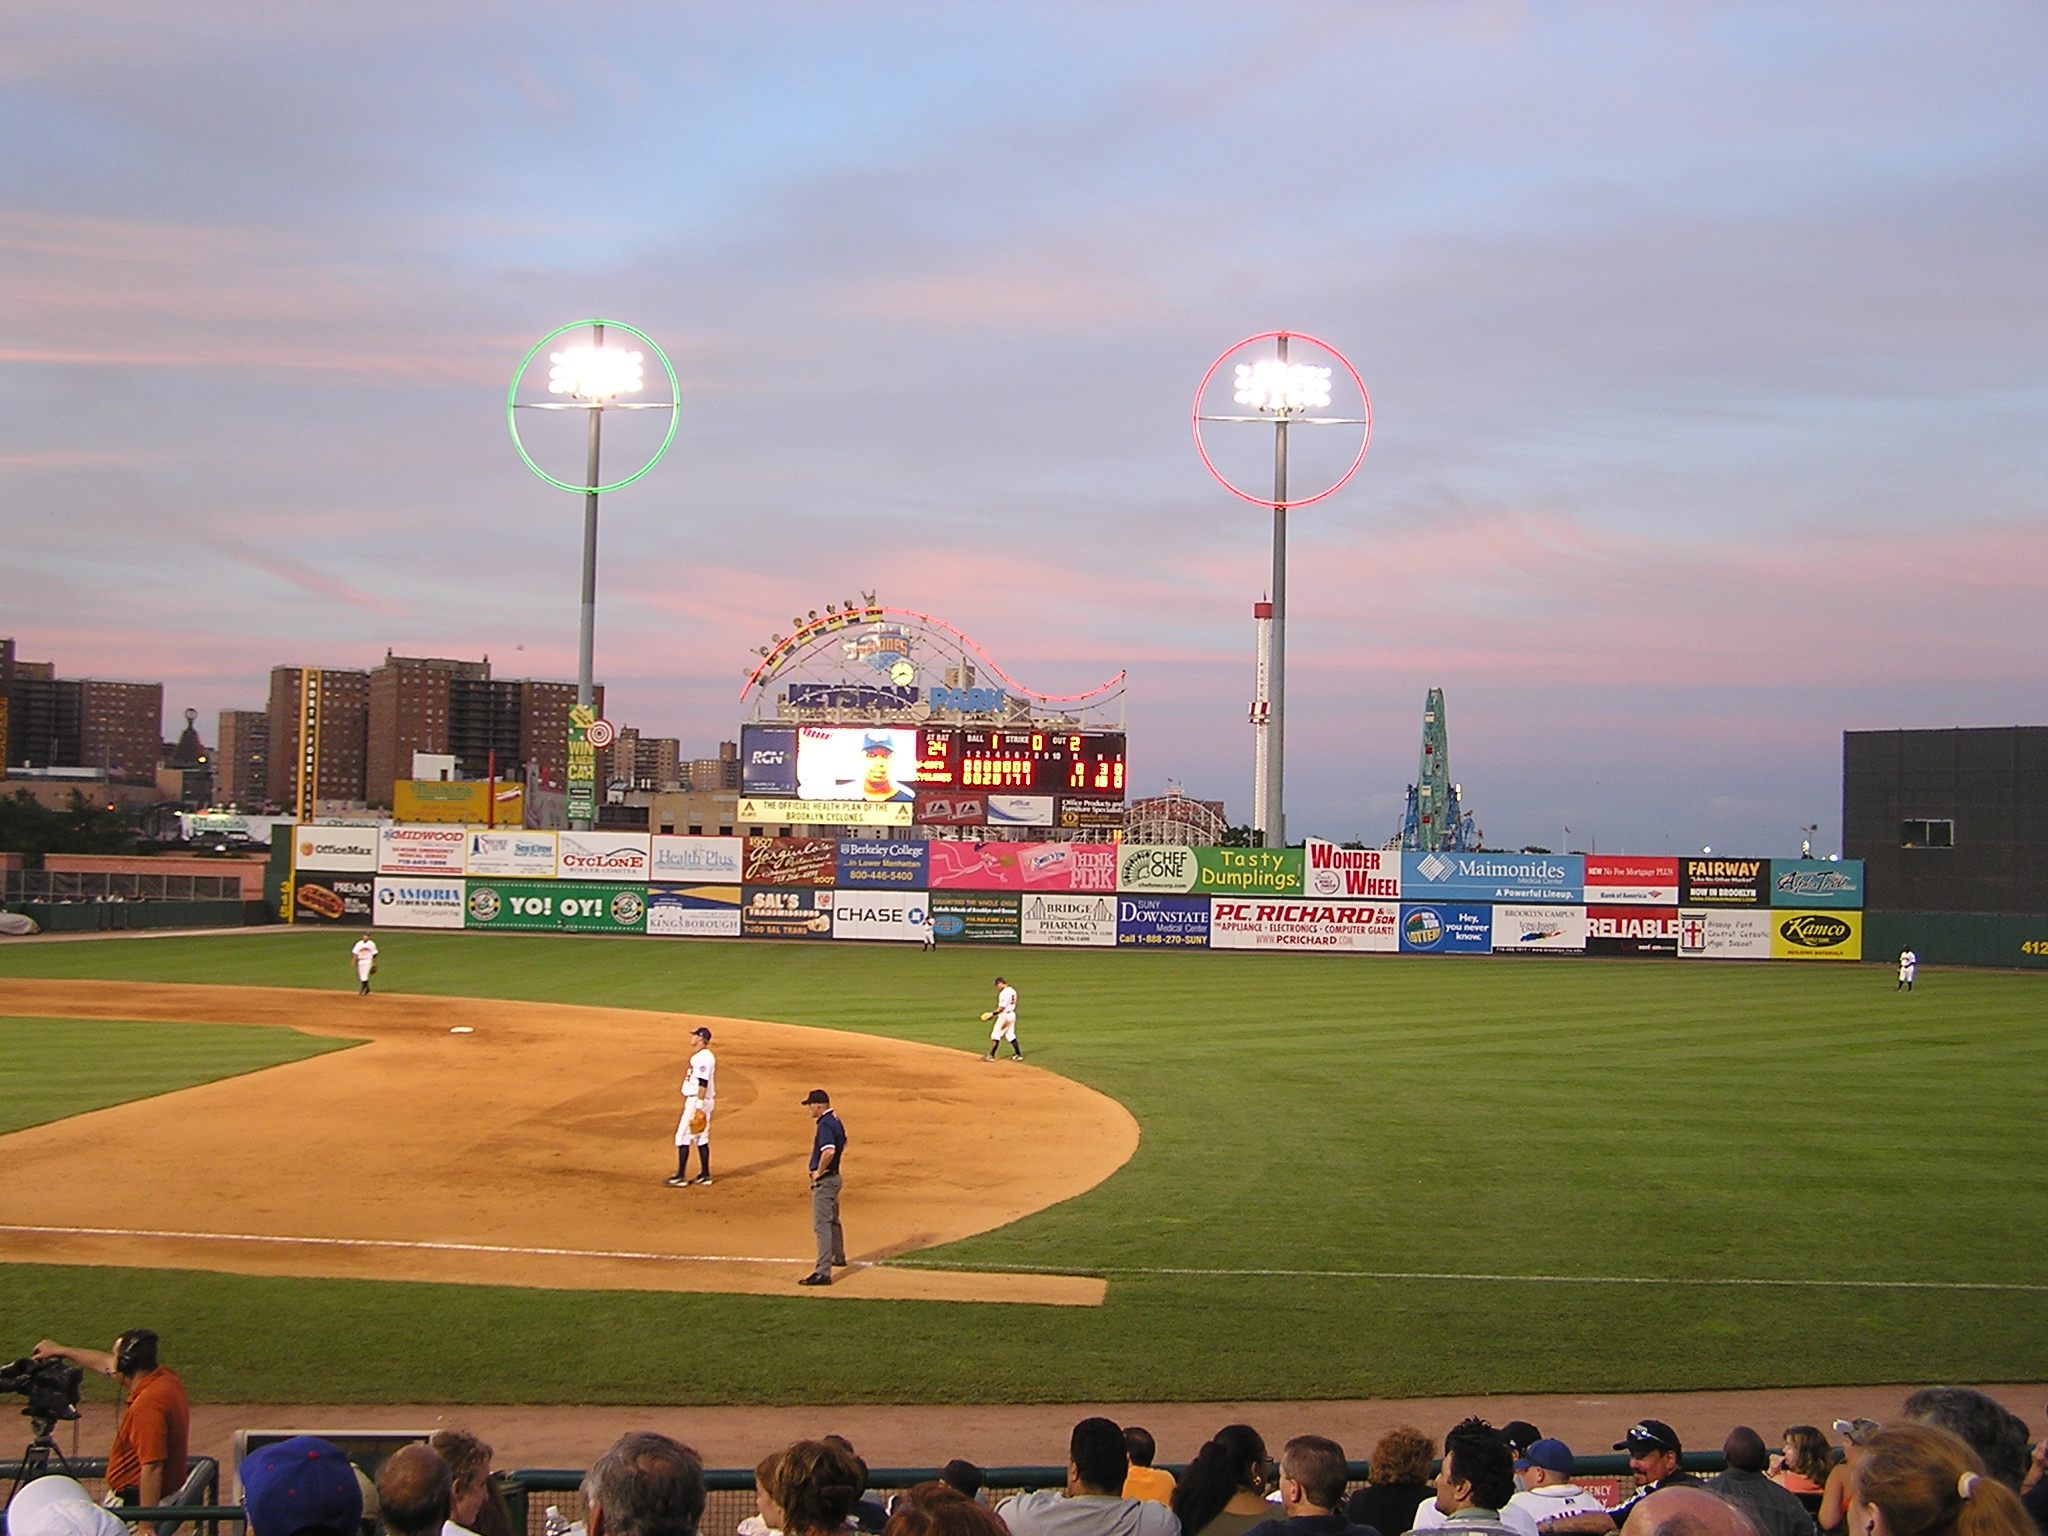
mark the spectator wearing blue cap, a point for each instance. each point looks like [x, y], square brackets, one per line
[1548, 1492]
[301, 1484]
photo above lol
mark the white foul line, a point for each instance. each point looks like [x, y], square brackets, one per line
[385, 1242]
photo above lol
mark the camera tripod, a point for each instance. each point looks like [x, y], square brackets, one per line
[35, 1457]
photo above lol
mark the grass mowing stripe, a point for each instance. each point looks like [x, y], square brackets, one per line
[1107, 1273]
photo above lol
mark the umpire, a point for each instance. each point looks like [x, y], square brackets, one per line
[828, 1156]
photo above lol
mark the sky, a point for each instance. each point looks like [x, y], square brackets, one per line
[1705, 346]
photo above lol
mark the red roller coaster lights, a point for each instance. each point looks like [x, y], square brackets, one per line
[833, 623]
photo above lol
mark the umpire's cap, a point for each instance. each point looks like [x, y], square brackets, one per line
[817, 1096]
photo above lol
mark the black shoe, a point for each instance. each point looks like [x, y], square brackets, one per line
[841, 1264]
[815, 1280]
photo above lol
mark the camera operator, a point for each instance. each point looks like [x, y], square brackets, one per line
[146, 1463]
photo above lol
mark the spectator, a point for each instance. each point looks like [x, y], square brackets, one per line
[415, 1491]
[1518, 1435]
[1685, 1510]
[2034, 1487]
[767, 1517]
[963, 1475]
[1144, 1480]
[1548, 1491]
[1997, 1435]
[868, 1513]
[1313, 1473]
[1805, 1463]
[1092, 1504]
[304, 1484]
[1434, 1514]
[946, 1514]
[469, 1465]
[1774, 1511]
[58, 1506]
[1834, 1502]
[1920, 1480]
[1223, 1491]
[814, 1485]
[1653, 1460]
[645, 1485]
[923, 1496]
[146, 1463]
[1399, 1473]
[1475, 1482]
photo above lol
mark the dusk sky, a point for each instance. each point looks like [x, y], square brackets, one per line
[1706, 346]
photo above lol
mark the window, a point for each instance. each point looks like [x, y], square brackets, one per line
[668, 829]
[697, 829]
[1928, 834]
[725, 831]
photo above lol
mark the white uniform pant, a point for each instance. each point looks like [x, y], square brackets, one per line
[1006, 1027]
[685, 1137]
[363, 964]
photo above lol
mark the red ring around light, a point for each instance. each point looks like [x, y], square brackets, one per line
[1267, 501]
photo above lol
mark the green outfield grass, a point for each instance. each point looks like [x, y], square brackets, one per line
[1357, 1119]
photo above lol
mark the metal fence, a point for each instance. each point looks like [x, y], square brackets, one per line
[67, 885]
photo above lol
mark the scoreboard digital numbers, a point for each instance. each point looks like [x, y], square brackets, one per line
[1023, 762]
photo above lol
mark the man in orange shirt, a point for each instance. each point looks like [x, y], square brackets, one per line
[146, 1464]
[1146, 1481]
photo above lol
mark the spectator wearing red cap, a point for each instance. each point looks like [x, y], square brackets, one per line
[1548, 1492]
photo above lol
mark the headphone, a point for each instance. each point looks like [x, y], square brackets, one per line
[135, 1352]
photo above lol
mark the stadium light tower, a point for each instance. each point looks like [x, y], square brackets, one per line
[590, 377]
[1284, 393]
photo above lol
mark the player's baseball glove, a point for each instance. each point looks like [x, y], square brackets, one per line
[987, 1016]
[698, 1121]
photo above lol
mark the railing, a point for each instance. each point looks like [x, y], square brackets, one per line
[99, 885]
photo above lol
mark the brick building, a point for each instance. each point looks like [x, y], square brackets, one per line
[544, 728]
[342, 724]
[55, 722]
[411, 710]
[242, 756]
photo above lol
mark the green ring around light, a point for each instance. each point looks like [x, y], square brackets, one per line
[674, 416]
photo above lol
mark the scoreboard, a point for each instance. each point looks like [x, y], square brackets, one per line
[1025, 762]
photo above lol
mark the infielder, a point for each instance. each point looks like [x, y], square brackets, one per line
[1908, 964]
[700, 1097]
[1005, 1016]
[365, 951]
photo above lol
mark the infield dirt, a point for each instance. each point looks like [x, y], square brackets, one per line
[532, 1151]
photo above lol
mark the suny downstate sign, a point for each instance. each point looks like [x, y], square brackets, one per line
[1493, 877]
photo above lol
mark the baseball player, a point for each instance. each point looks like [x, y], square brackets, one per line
[1004, 1015]
[700, 1097]
[1908, 964]
[365, 951]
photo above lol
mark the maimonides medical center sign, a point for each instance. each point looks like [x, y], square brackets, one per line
[1491, 877]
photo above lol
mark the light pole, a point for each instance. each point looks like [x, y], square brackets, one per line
[591, 377]
[1282, 392]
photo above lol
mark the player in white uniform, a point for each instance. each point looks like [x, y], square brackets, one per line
[365, 951]
[700, 1097]
[1908, 964]
[1005, 1016]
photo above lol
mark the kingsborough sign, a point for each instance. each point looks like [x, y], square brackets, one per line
[1369, 872]
[1816, 935]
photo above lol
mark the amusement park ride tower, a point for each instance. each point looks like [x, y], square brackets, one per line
[1435, 818]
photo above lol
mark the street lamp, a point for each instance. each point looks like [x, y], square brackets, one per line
[1283, 392]
[590, 377]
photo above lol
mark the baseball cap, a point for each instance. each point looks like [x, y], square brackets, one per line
[1856, 1431]
[1550, 1455]
[300, 1482]
[59, 1506]
[1518, 1435]
[1649, 1435]
[817, 1096]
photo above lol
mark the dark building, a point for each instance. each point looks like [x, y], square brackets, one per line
[242, 756]
[484, 717]
[341, 723]
[58, 722]
[544, 728]
[1948, 821]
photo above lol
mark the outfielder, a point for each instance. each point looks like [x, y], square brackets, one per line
[1004, 1014]
[700, 1097]
[1909, 965]
[365, 951]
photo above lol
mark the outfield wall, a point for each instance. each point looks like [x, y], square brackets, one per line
[1319, 898]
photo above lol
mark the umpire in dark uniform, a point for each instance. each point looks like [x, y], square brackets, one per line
[828, 1157]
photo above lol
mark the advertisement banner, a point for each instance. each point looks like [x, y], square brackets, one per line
[1162, 922]
[581, 781]
[602, 856]
[827, 813]
[694, 911]
[421, 850]
[950, 808]
[325, 898]
[1539, 930]
[1830, 883]
[1354, 926]
[1631, 931]
[790, 861]
[865, 864]
[975, 917]
[1835, 935]
[1724, 882]
[1020, 810]
[1161, 868]
[345, 850]
[698, 860]
[1088, 813]
[1374, 873]
[1446, 928]
[404, 902]
[1707, 934]
[871, 763]
[899, 915]
[1073, 921]
[1493, 877]
[548, 906]
[1614, 880]
[512, 855]
[793, 912]
[461, 802]
[1248, 871]
[768, 761]
[1022, 866]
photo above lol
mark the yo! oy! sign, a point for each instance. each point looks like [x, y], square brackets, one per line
[1339, 871]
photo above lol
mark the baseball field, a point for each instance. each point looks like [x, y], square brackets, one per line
[1219, 1176]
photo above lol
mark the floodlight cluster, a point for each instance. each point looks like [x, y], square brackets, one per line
[594, 373]
[1271, 385]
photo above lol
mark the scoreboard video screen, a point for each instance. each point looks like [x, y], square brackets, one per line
[1023, 762]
